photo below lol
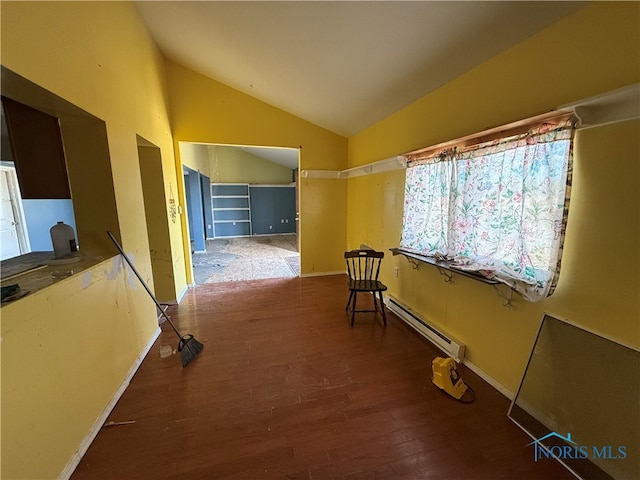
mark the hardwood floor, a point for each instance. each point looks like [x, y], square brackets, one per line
[286, 389]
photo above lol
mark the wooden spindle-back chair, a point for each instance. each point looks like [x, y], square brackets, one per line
[363, 268]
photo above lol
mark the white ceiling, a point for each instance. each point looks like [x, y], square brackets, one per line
[342, 65]
[287, 157]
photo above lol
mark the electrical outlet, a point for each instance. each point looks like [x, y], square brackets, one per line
[395, 271]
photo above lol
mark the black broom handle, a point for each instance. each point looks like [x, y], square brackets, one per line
[124, 255]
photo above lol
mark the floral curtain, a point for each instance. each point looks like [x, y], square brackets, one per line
[497, 208]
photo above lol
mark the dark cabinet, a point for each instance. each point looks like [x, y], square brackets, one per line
[37, 150]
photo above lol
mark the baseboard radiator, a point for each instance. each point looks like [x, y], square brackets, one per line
[450, 346]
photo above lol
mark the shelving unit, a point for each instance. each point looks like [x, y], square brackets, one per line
[231, 209]
[447, 269]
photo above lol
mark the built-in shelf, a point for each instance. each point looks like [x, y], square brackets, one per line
[231, 209]
[445, 267]
[399, 162]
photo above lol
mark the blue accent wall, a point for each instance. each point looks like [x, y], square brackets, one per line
[41, 215]
[273, 210]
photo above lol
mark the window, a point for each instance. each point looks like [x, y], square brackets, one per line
[498, 208]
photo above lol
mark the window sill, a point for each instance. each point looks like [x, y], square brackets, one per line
[38, 270]
[444, 266]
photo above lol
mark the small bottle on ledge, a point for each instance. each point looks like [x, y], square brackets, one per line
[63, 239]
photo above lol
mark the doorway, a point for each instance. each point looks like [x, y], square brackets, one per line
[14, 240]
[197, 192]
[250, 237]
[157, 222]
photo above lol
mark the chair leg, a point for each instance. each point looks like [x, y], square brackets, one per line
[346, 308]
[384, 315]
[353, 308]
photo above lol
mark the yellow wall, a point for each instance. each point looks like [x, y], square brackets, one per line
[62, 361]
[118, 78]
[195, 156]
[155, 206]
[206, 111]
[62, 357]
[591, 52]
[234, 165]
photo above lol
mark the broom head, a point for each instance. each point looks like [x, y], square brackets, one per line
[189, 349]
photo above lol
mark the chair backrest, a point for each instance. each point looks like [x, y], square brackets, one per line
[363, 264]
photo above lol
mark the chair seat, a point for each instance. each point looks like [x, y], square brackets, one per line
[367, 286]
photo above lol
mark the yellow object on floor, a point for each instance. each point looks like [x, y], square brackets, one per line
[446, 377]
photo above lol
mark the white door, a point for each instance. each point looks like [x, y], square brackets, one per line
[13, 239]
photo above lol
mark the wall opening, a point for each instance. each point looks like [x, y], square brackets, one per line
[251, 226]
[156, 207]
[81, 192]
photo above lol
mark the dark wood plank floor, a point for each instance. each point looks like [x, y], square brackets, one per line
[286, 389]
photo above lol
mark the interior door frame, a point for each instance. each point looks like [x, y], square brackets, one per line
[195, 212]
[297, 219]
[16, 205]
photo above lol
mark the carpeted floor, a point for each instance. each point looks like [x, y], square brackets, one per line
[247, 258]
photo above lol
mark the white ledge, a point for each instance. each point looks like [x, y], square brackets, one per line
[610, 107]
[321, 173]
[398, 162]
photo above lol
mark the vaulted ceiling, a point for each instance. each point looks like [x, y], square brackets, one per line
[341, 65]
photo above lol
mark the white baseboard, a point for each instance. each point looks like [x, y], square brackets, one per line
[182, 294]
[97, 425]
[322, 274]
[488, 378]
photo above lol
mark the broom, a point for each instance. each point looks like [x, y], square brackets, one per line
[188, 346]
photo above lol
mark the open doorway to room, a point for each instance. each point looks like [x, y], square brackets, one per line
[242, 204]
[157, 221]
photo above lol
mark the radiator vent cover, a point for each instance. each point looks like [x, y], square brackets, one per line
[440, 339]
